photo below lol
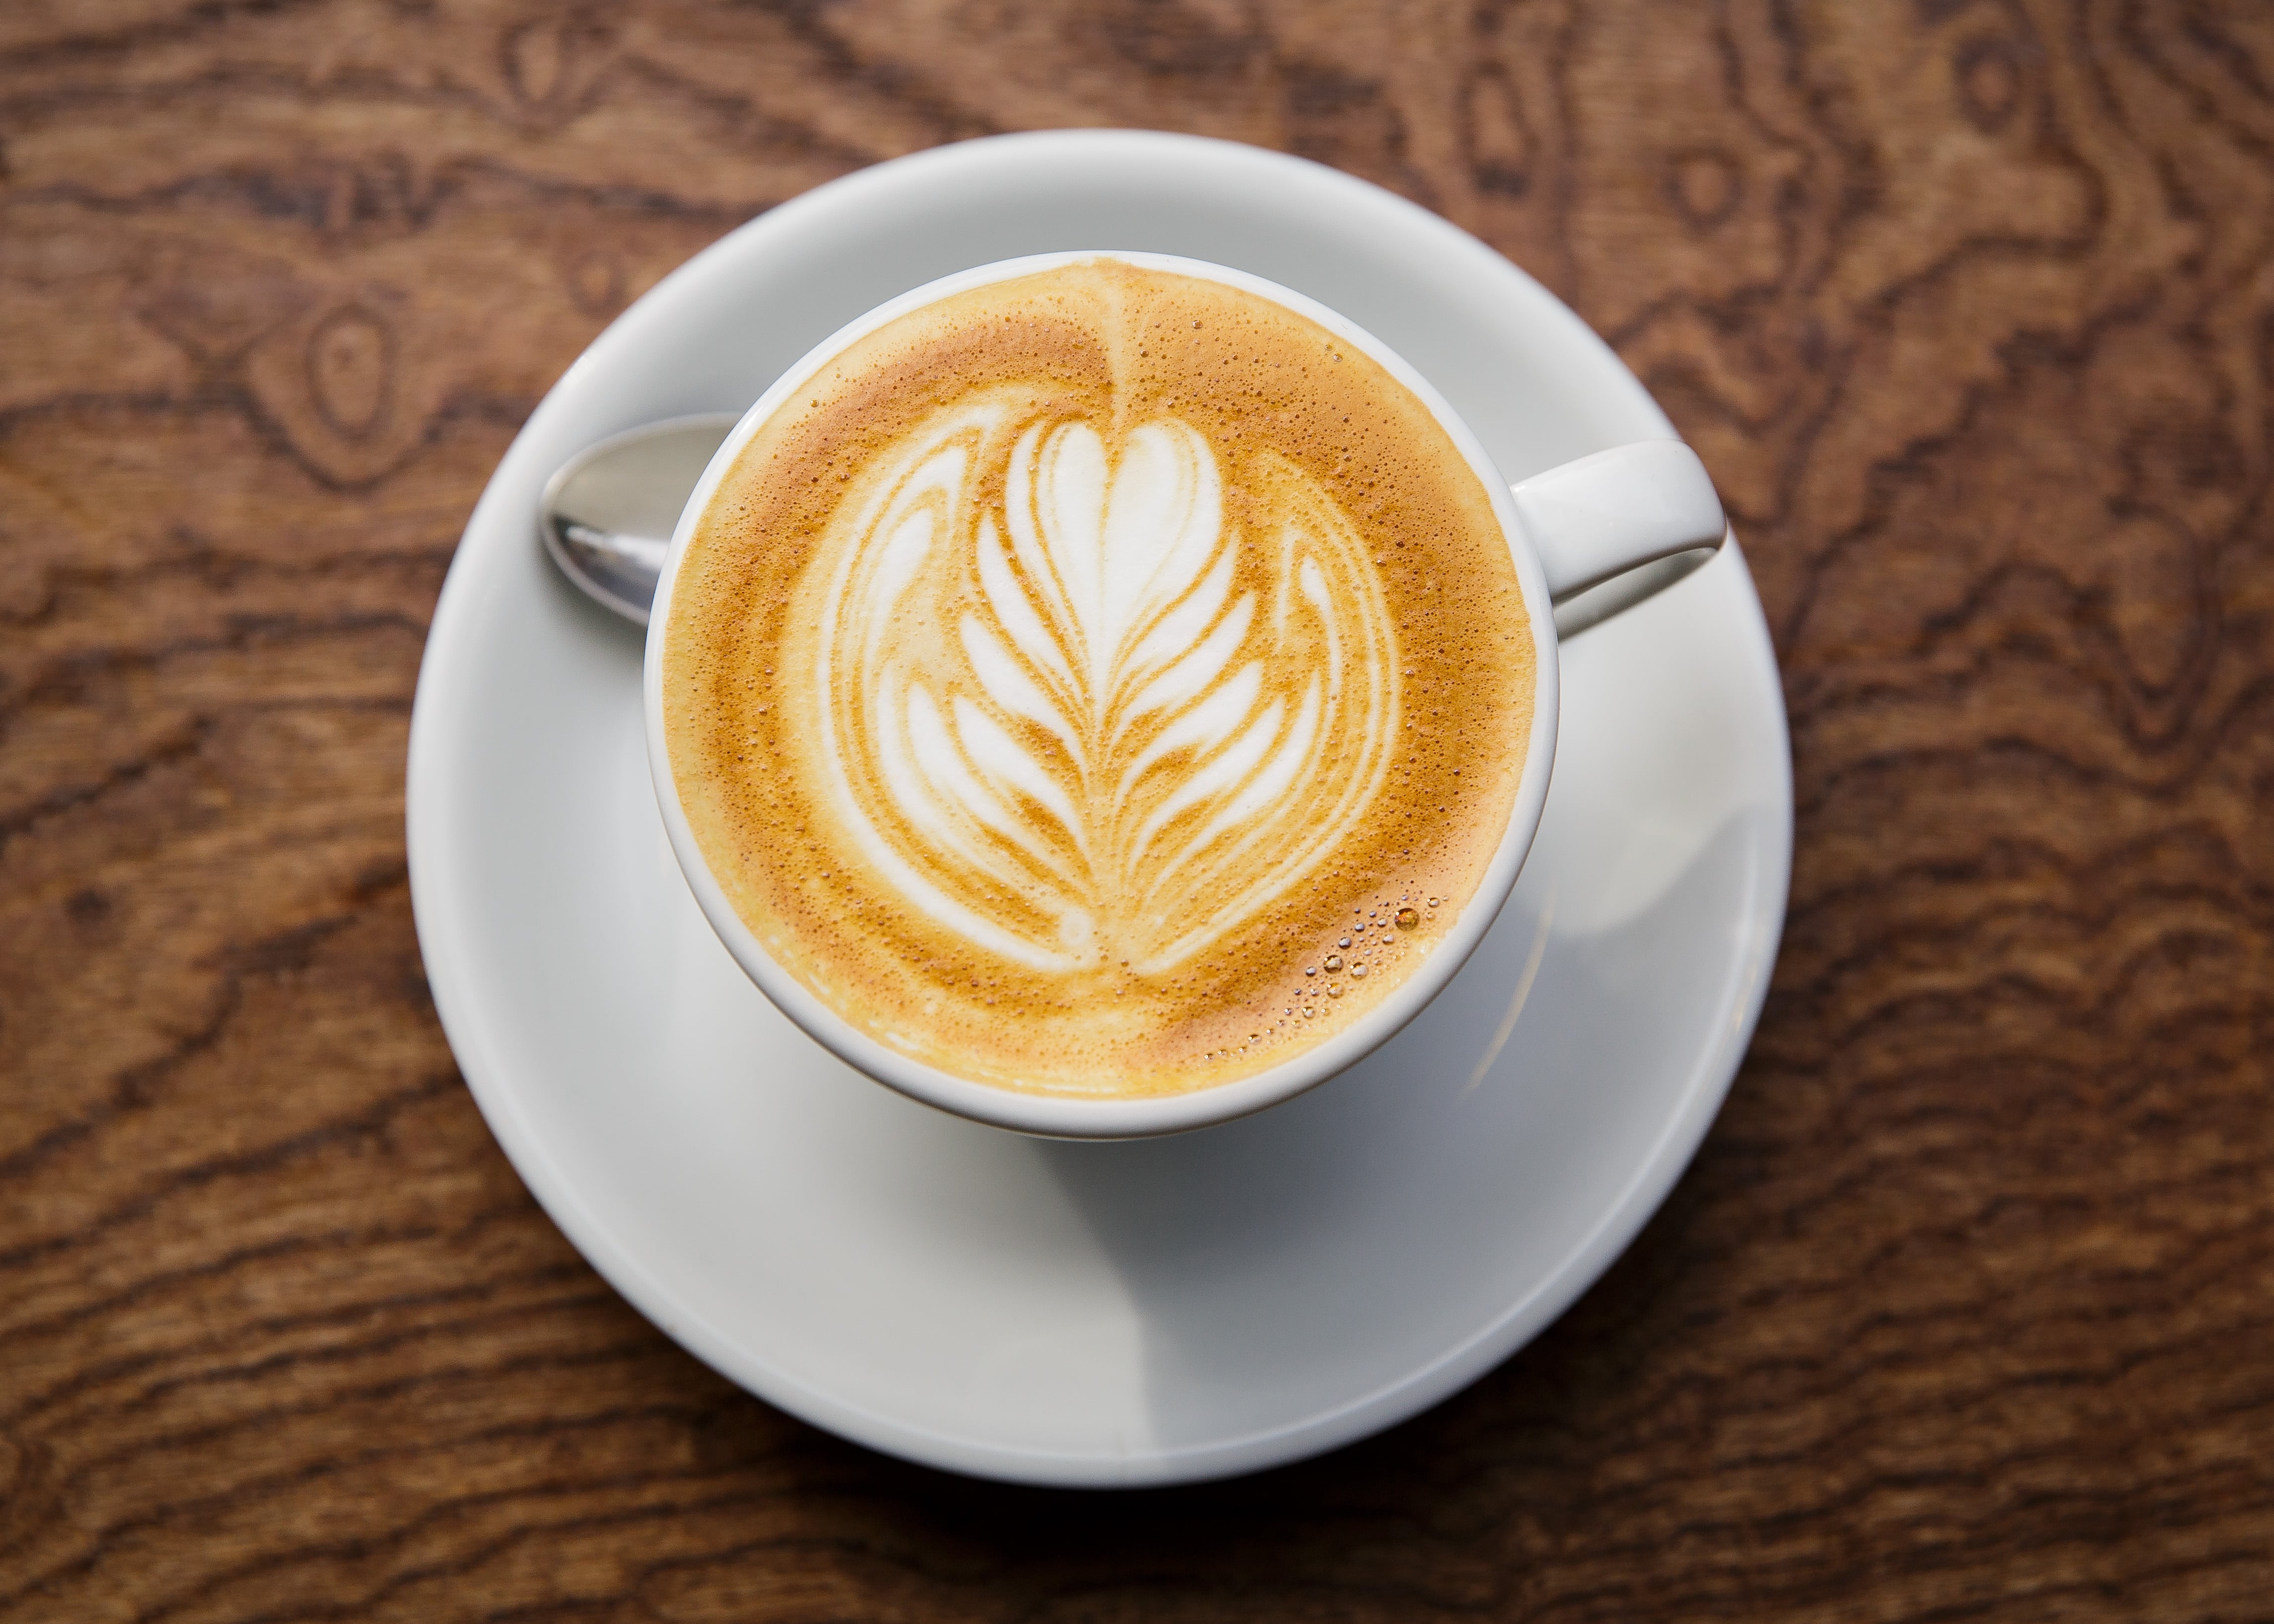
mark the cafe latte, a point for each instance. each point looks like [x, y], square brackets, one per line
[1105, 681]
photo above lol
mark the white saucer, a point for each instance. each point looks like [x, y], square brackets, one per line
[1086, 1313]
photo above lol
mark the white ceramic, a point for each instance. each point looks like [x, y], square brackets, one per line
[1568, 528]
[1151, 1311]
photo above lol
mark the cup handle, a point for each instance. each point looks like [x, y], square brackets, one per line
[1596, 520]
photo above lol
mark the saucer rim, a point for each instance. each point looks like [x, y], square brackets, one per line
[449, 953]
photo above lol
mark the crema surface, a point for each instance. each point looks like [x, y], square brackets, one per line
[1105, 681]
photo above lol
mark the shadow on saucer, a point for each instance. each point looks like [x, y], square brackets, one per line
[1351, 1240]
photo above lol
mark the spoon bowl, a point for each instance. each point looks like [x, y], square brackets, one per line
[607, 514]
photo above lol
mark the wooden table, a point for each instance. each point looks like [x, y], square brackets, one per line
[1965, 1310]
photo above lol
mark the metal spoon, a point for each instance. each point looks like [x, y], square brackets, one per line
[607, 514]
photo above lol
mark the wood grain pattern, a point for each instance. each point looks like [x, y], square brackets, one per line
[1967, 1309]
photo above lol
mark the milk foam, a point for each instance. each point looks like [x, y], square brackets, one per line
[1150, 720]
[1067, 666]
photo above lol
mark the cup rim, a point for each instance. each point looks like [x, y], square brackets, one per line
[1062, 1116]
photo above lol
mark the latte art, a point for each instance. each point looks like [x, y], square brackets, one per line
[1071, 708]
[1100, 682]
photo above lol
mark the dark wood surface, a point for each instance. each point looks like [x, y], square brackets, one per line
[1966, 1308]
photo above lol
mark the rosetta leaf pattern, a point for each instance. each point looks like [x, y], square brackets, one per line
[1073, 711]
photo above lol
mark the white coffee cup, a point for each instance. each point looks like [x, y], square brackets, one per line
[1595, 536]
